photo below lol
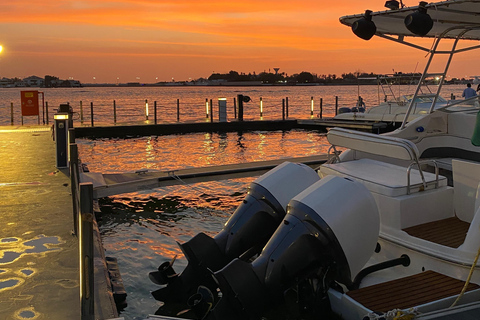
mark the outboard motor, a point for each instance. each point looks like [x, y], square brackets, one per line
[244, 234]
[322, 234]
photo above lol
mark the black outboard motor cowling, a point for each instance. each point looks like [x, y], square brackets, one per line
[321, 232]
[244, 235]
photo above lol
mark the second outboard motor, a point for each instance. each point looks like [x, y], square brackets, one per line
[323, 233]
[244, 234]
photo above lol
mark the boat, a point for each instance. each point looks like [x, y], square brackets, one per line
[388, 228]
[392, 110]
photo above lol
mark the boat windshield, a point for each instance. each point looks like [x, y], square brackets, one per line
[425, 98]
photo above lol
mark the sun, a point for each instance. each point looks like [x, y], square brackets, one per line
[1, 49]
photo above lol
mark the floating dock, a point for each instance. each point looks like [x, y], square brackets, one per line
[135, 130]
[105, 185]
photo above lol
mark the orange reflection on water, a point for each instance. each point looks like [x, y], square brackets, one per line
[198, 150]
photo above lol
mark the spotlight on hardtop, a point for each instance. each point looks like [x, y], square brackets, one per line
[364, 27]
[419, 22]
[392, 4]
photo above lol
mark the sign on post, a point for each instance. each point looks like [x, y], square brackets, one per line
[30, 105]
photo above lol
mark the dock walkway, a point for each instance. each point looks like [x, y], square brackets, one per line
[39, 275]
[39, 265]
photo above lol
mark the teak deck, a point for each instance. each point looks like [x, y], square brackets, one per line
[409, 292]
[449, 232]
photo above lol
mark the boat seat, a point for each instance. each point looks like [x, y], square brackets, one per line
[381, 177]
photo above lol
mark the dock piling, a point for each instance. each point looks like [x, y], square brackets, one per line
[146, 109]
[235, 108]
[321, 108]
[286, 107]
[91, 113]
[178, 109]
[114, 112]
[311, 106]
[283, 109]
[261, 107]
[240, 107]
[46, 111]
[86, 251]
[211, 110]
[81, 112]
[336, 105]
[11, 113]
[155, 112]
[206, 108]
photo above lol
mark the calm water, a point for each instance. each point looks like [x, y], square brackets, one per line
[130, 101]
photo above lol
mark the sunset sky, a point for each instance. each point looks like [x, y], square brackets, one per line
[157, 40]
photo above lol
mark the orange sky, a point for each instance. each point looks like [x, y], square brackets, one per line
[183, 39]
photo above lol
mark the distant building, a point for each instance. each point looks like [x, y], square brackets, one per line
[34, 81]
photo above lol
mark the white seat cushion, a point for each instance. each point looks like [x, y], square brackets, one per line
[381, 177]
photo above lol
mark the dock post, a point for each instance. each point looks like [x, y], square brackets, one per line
[81, 112]
[74, 180]
[146, 109]
[46, 111]
[321, 108]
[283, 109]
[336, 105]
[91, 113]
[155, 112]
[261, 107]
[206, 108]
[86, 251]
[178, 110]
[235, 108]
[311, 106]
[240, 107]
[211, 110]
[114, 112]
[11, 113]
[286, 107]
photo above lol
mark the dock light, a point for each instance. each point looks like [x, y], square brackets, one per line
[261, 107]
[364, 27]
[206, 107]
[146, 109]
[392, 5]
[311, 106]
[60, 117]
[419, 22]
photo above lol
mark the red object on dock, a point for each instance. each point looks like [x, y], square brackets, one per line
[30, 106]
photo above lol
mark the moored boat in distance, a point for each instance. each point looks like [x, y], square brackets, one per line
[390, 230]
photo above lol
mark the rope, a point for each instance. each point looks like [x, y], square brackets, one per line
[468, 279]
[395, 314]
[174, 176]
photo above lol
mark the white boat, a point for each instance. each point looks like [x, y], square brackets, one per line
[393, 112]
[391, 229]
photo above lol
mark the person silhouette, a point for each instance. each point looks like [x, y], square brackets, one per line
[469, 92]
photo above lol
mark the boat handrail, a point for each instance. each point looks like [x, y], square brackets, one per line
[388, 146]
[460, 102]
[373, 143]
[409, 169]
